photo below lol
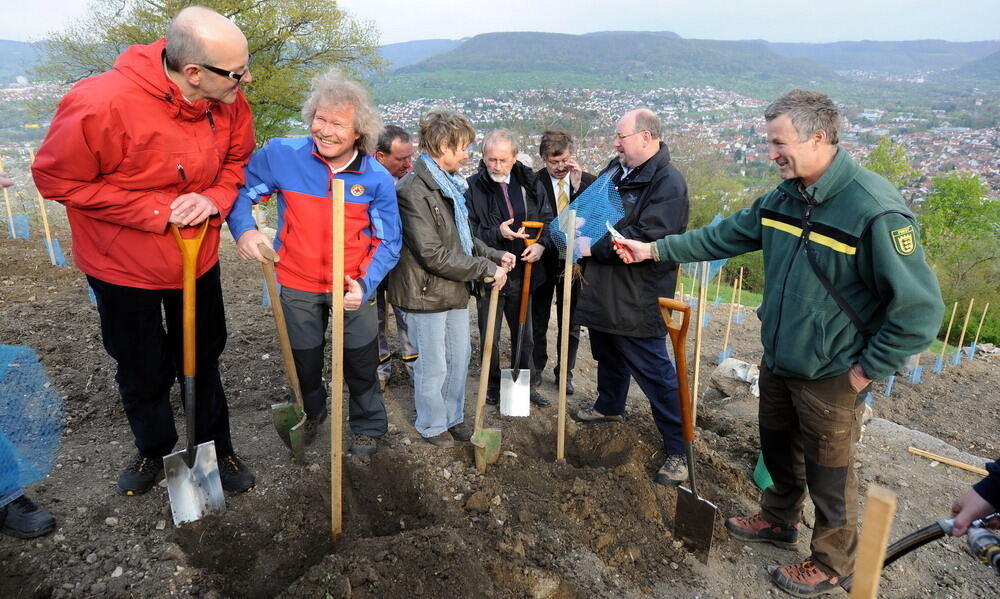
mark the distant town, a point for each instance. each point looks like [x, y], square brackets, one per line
[727, 124]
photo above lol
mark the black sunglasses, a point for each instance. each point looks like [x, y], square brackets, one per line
[230, 74]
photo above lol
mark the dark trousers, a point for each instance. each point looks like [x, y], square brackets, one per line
[808, 432]
[308, 315]
[141, 329]
[507, 309]
[541, 308]
[619, 359]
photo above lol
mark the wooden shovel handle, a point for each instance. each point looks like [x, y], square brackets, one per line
[190, 247]
[678, 336]
[522, 314]
[484, 372]
[279, 322]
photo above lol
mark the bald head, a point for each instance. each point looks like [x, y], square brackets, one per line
[199, 35]
[202, 47]
[637, 136]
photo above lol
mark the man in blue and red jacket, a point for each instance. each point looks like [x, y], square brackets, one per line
[344, 126]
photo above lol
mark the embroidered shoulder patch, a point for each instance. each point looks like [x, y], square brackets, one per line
[904, 241]
[357, 190]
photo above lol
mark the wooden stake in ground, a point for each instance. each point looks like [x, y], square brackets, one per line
[979, 329]
[965, 324]
[702, 296]
[45, 217]
[6, 202]
[337, 363]
[564, 334]
[947, 331]
[718, 285]
[880, 508]
[729, 325]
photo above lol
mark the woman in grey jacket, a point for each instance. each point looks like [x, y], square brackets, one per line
[431, 283]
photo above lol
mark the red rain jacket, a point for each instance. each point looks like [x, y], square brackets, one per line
[121, 147]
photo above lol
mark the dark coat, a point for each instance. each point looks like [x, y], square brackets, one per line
[619, 298]
[553, 265]
[433, 272]
[487, 210]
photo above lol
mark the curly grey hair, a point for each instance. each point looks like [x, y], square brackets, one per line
[332, 89]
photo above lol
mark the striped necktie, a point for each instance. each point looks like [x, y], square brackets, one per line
[562, 199]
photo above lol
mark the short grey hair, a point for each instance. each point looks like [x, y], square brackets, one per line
[646, 120]
[498, 135]
[184, 44]
[332, 89]
[809, 112]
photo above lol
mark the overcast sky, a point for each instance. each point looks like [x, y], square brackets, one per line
[773, 20]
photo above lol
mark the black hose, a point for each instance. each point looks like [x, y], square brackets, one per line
[907, 544]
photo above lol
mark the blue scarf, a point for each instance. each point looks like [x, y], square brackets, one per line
[453, 186]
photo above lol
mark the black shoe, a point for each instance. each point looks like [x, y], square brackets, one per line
[23, 519]
[313, 427]
[492, 398]
[140, 475]
[363, 446]
[444, 440]
[570, 390]
[539, 400]
[235, 475]
[461, 432]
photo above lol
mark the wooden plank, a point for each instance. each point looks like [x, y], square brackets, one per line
[337, 364]
[880, 508]
[948, 461]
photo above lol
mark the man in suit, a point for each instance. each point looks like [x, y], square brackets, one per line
[501, 195]
[563, 179]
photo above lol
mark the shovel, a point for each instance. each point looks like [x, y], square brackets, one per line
[515, 383]
[288, 417]
[694, 519]
[486, 441]
[192, 474]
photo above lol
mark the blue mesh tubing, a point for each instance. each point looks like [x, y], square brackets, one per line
[30, 419]
[597, 206]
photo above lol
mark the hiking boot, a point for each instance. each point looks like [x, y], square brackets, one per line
[235, 475]
[140, 475]
[444, 440]
[363, 446]
[590, 415]
[23, 519]
[674, 470]
[461, 432]
[755, 529]
[539, 400]
[492, 398]
[803, 580]
[313, 427]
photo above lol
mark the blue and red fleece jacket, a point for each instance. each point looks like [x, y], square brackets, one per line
[291, 170]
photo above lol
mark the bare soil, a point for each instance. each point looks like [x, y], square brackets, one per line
[420, 521]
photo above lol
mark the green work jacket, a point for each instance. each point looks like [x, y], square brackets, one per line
[866, 242]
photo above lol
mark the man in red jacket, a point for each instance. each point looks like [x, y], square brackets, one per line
[159, 140]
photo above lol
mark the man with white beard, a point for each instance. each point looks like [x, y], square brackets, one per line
[502, 195]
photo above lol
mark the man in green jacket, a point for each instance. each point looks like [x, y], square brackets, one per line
[848, 297]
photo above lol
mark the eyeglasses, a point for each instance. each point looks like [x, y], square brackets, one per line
[558, 163]
[223, 72]
[620, 137]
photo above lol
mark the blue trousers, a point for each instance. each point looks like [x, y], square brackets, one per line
[619, 359]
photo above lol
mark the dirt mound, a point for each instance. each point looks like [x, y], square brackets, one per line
[420, 521]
